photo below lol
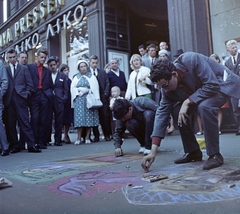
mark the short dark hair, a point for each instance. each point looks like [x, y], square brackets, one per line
[120, 108]
[151, 46]
[141, 46]
[23, 52]
[11, 51]
[52, 58]
[162, 70]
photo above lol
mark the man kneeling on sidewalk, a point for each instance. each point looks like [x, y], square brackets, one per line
[137, 116]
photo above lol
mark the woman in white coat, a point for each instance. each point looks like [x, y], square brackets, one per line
[138, 80]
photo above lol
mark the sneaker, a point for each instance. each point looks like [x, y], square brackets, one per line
[199, 133]
[77, 142]
[141, 150]
[87, 141]
[146, 151]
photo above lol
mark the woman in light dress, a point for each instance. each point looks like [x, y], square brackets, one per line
[84, 117]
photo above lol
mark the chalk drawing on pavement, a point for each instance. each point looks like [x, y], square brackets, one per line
[66, 167]
[90, 183]
[188, 183]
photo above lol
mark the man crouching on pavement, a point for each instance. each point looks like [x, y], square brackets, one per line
[192, 80]
[137, 116]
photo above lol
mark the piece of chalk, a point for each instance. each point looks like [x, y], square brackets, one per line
[137, 187]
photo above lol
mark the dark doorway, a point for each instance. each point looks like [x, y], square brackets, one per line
[148, 22]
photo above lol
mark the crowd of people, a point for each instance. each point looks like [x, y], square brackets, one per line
[159, 97]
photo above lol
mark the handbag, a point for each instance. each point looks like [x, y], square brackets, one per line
[92, 102]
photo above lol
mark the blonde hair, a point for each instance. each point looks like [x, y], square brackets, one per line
[132, 58]
[117, 88]
[230, 43]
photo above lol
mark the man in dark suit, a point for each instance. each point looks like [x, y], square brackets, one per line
[233, 63]
[60, 95]
[20, 87]
[4, 144]
[193, 81]
[104, 89]
[41, 99]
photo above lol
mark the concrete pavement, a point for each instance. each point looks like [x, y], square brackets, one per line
[89, 179]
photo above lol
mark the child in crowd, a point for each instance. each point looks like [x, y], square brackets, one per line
[115, 94]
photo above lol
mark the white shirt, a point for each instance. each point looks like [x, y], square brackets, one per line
[12, 68]
[54, 76]
[236, 56]
[116, 72]
[94, 71]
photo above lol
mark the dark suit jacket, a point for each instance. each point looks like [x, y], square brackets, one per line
[22, 83]
[234, 68]
[3, 80]
[47, 83]
[61, 88]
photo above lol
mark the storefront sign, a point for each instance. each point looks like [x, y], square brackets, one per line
[32, 18]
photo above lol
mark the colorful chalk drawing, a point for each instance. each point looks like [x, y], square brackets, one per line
[87, 176]
[189, 184]
[66, 167]
[90, 183]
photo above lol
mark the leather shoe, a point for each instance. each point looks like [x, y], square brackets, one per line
[213, 161]
[58, 144]
[238, 132]
[15, 150]
[34, 149]
[5, 152]
[107, 138]
[96, 139]
[41, 146]
[190, 157]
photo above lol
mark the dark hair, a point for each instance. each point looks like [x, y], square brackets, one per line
[52, 58]
[11, 51]
[151, 46]
[162, 70]
[62, 67]
[141, 46]
[216, 57]
[23, 52]
[120, 108]
[93, 57]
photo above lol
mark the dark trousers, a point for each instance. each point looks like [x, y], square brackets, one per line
[58, 111]
[142, 130]
[18, 111]
[208, 111]
[40, 117]
[236, 110]
[3, 139]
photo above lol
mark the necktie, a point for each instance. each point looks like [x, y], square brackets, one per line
[234, 60]
[14, 70]
[94, 72]
[152, 61]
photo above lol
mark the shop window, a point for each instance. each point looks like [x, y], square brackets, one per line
[77, 41]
